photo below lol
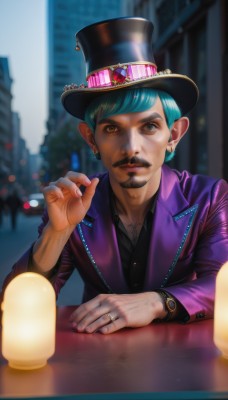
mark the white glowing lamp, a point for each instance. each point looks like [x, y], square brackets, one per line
[221, 311]
[28, 321]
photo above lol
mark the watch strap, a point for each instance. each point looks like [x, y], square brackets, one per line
[169, 304]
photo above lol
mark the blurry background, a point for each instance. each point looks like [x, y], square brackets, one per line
[39, 141]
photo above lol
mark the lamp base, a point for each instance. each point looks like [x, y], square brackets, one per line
[221, 342]
[225, 355]
[27, 365]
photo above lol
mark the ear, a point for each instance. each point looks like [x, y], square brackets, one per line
[177, 131]
[88, 135]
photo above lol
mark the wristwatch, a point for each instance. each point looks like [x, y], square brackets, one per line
[170, 305]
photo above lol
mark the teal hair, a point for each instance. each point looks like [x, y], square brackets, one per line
[132, 100]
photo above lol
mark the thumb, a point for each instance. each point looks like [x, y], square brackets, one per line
[89, 192]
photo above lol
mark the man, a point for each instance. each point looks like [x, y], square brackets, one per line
[148, 241]
[13, 203]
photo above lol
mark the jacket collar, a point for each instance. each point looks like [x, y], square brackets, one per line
[170, 195]
[171, 225]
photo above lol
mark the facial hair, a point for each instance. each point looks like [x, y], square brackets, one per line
[132, 160]
[132, 182]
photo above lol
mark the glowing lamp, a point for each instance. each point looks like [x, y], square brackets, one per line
[221, 311]
[28, 321]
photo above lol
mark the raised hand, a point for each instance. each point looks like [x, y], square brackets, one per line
[66, 205]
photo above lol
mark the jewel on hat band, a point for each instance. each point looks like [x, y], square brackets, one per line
[119, 74]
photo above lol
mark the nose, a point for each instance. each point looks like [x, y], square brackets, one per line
[131, 143]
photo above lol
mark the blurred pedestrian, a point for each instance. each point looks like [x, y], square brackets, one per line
[13, 203]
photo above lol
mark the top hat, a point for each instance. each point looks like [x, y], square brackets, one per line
[118, 54]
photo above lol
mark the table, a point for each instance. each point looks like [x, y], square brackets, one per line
[160, 361]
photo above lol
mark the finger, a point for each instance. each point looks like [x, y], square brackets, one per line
[103, 325]
[59, 188]
[89, 192]
[90, 313]
[105, 319]
[95, 325]
[93, 320]
[84, 309]
[66, 185]
[51, 193]
[113, 326]
[78, 178]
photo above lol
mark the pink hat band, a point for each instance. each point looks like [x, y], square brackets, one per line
[119, 74]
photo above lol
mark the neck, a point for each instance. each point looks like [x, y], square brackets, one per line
[133, 204]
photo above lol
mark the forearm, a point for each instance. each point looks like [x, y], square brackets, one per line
[48, 247]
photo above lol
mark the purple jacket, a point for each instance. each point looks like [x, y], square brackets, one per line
[189, 243]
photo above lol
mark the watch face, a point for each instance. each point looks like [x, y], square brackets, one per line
[171, 305]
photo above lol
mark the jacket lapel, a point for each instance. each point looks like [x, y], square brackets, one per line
[173, 218]
[172, 223]
[98, 236]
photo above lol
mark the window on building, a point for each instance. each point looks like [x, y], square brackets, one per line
[199, 151]
[176, 56]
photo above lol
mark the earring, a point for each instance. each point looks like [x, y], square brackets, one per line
[97, 155]
[172, 149]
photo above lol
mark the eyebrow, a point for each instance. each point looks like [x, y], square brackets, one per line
[150, 117]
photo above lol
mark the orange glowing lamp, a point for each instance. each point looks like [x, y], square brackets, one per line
[28, 321]
[221, 311]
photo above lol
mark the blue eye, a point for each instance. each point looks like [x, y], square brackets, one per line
[150, 127]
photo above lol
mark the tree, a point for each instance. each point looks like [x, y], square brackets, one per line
[60, 149]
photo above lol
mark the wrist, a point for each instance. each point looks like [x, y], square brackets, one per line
[169, 303]
[65, 232]
[48, 247]
[157, 303]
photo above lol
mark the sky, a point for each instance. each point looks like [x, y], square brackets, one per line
[23, 40]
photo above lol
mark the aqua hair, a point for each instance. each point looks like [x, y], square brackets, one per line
[132, 100]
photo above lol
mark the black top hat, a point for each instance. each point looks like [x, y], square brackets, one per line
[118, 54]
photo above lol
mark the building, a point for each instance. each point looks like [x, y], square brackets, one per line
[65, 65]
[14, 155]
[16, 126]
[6, 132]
[34, 170]
[191, 37]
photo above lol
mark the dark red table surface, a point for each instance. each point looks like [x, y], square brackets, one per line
[160, 361]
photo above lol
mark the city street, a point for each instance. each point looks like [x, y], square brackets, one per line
[14, 243]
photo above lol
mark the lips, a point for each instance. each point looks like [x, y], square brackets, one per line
[131, 167]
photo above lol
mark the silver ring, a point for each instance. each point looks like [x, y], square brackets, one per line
[111, 317]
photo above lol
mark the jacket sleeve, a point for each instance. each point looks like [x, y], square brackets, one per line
[211, 253]
[59, 274]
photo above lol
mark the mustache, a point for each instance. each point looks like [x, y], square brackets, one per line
[132, 160]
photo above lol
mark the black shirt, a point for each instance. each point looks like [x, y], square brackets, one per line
[133, 256]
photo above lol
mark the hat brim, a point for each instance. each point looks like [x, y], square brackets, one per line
[183, 90]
